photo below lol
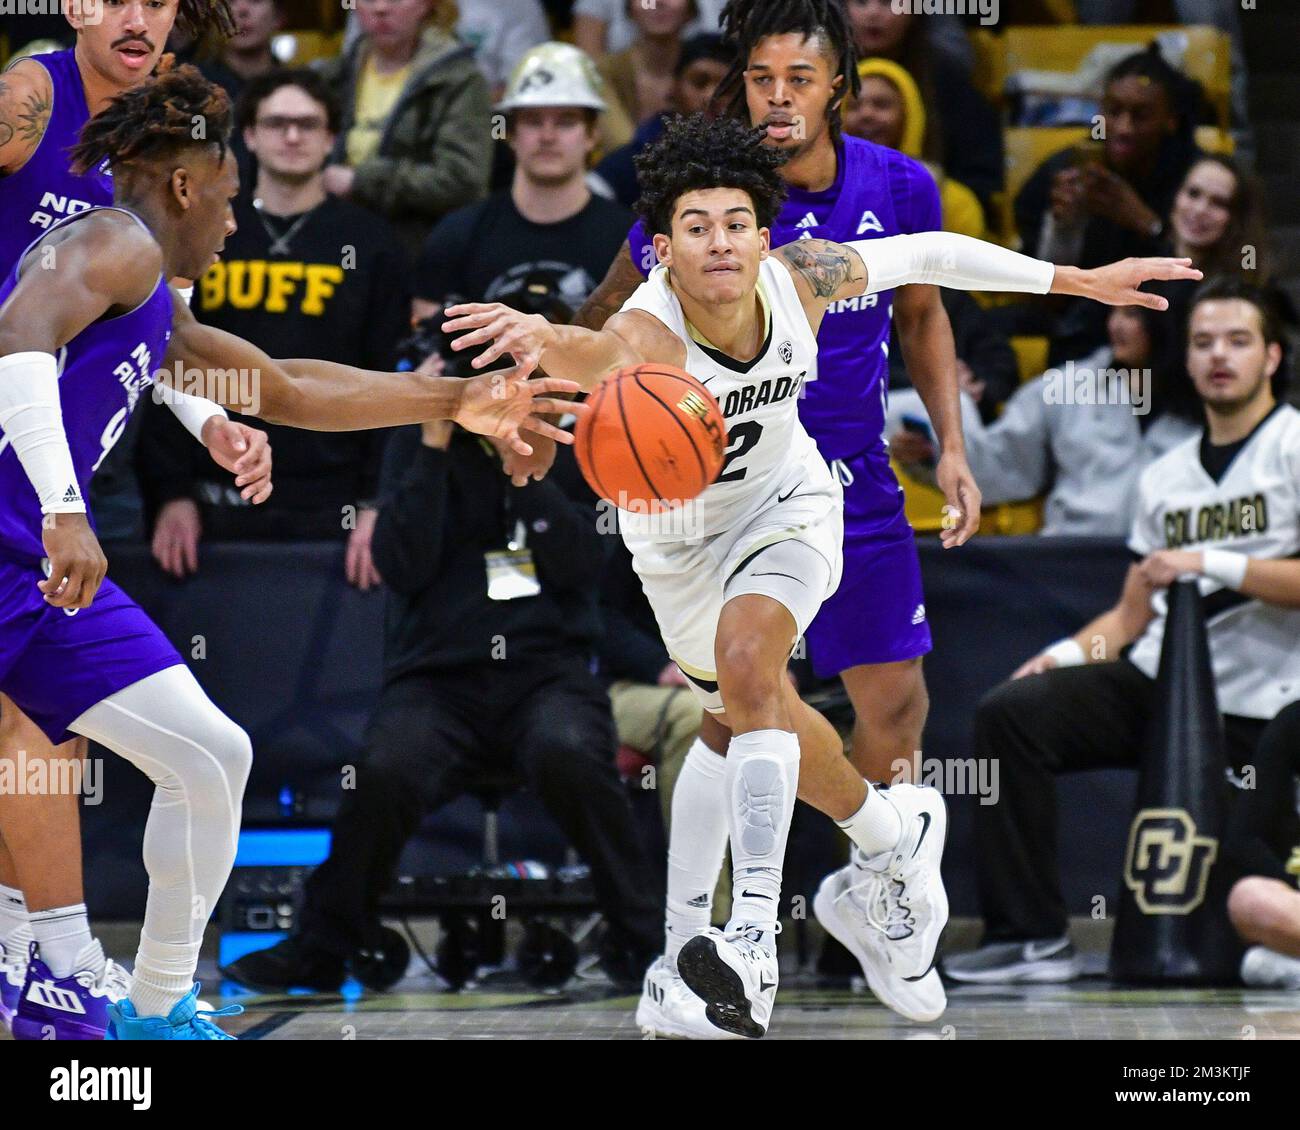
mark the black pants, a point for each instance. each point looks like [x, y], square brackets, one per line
[549, 719]
[1063, 721]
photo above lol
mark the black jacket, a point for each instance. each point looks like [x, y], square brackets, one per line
[440, 512]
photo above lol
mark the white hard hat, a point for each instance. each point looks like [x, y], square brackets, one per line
[554, 74]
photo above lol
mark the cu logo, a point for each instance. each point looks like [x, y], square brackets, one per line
[1167, 864]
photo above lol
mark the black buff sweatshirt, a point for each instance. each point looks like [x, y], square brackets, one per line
[440, 512]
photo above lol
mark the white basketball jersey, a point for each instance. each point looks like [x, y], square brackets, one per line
[760, 400]
[1254, 509]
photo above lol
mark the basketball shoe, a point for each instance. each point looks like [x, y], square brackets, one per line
[889, 910]
[186, 1021]
[668, 1008]
[734, 976]
[74, 1007]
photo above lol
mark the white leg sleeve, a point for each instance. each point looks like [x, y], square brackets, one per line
[947, 259]
[697, 839]
[198, 759]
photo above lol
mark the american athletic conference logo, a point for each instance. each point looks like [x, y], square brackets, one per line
[1167, 865]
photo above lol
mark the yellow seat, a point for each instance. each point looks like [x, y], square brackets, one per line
[1215, 140]
[923, 505]
[298, 48]
[1206, 56]
[1031, 355]
[1027, 147]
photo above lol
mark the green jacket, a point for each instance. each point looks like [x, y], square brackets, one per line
[435, 154]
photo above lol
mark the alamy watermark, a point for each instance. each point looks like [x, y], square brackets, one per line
[1080, 384]
[21, 775]
[90, 11]
[952, 776]
[986, 10]
[240, 389]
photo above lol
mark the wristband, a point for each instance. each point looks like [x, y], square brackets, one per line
[32, 421]
[1224, 566]
[192, 411]
[1067, 652]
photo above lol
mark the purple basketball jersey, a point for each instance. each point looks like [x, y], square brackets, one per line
[102, 372]
[44, 190]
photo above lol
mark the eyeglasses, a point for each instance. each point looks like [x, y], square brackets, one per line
[281, 124]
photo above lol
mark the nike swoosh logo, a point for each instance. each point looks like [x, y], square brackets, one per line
[783, 497]
[1037, 951]
[763, 985]
[926, 817]
[755, 895]
[923, 975]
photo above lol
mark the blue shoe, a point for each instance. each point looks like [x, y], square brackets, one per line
[68, 1008]
[185, 1022]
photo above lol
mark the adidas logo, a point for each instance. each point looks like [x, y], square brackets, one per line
[698, 901]
[71, 494]
[918, 617]
[808, 221]
[48, 994]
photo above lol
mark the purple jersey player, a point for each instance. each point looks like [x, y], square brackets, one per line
[86, 315]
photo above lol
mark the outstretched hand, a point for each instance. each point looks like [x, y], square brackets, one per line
[523, 336]
[502, 404]
[1116, 284]
[243, 451]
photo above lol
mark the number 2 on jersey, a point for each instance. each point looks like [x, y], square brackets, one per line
[743, 438]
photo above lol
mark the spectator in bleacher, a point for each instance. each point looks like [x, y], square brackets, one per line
[700, 67]
[1082, 433]
[1223, 506]
[1094, 203]
[415, 139]
[889, 111]
[247, 53]
[491, 628]
[605, 27]
[639, 79]
[963, 132]
[987, 371]
[305, 275]
[501, 32]
[544, 243]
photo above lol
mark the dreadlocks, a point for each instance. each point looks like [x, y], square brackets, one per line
[745, 22]
[699, 152]
[201, 17]
[171, 111]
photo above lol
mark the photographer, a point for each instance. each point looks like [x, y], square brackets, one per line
[491, 625]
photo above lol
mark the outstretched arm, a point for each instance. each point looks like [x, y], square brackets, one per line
[581, 355]
[826, 272]
[328, 397]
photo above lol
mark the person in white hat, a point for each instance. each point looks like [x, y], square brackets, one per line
[546, 238]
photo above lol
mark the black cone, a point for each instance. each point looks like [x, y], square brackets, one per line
[1172, 925]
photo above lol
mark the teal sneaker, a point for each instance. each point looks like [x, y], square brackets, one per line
[185, 1022]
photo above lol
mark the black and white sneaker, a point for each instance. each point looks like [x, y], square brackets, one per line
[1044, 961]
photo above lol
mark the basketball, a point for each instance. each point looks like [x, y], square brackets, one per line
[654, 438]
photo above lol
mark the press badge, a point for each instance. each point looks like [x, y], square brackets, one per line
[511, 572]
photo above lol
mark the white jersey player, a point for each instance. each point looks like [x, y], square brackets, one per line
[735, 580]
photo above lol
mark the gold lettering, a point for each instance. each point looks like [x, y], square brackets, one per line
[322, 278]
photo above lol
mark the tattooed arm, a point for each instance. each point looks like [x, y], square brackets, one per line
[615, 288]
[26, 96]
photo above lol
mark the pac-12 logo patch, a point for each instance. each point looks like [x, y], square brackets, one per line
[1167, 864]
[785, 351]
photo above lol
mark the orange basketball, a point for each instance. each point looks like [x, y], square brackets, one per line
[653, 439]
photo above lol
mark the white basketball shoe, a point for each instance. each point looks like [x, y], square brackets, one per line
[735, 978]
[668, 1008]
[890, 909]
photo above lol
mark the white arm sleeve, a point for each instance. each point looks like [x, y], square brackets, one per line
[32, 421]
[192, 411]
[947, 259]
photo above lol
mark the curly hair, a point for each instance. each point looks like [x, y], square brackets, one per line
[175, 109]
[201, 17]
[746, 22]
[700, 152]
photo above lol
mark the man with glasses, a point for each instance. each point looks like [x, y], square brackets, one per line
[307, 274]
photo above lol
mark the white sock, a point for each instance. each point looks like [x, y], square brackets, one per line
[62, 934]
[761, 781]
[876, 826]
[164, 974]
[13, 910]
[697, 842]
